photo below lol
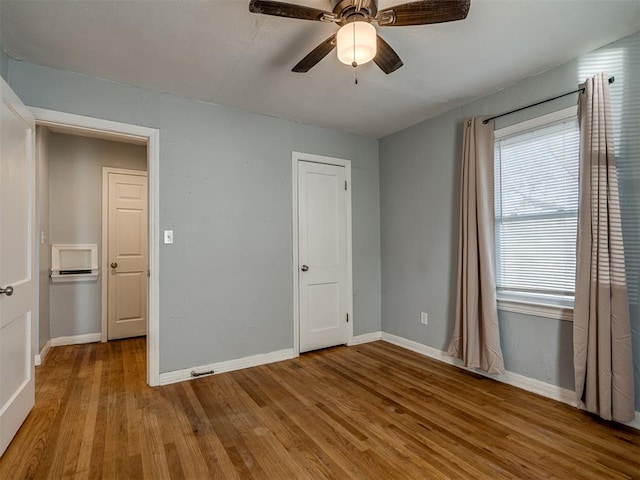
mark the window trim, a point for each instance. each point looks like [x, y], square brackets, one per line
[535, 308]
[537, 122]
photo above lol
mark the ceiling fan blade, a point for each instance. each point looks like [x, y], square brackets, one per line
[317, 54]
[424, 12]
[289, 10]
[387, 58]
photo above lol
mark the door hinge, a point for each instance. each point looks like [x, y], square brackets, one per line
[347, 318]
[345, 184]
[148, 273]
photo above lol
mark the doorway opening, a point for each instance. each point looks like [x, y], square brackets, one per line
[125, 152]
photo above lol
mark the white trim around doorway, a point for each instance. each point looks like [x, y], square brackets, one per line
[95, 127]
[297, 157]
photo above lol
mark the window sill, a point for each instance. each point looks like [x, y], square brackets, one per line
[537, 309]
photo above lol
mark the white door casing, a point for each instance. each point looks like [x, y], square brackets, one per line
[17, 263]
[126, 253]
[107, 129]
[323, 265]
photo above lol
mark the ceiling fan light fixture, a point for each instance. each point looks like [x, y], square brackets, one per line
[357, 43]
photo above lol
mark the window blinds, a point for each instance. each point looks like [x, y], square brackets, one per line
[536, 205]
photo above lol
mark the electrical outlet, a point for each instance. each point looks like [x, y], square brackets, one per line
[424, 318]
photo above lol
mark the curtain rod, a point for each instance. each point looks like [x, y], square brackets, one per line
[581, 89]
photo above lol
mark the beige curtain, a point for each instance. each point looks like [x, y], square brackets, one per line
[601, 329]
[476, 338]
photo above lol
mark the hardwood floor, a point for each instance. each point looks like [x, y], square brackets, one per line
[373, 411]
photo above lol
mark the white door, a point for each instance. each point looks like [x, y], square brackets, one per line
[17, 264]
[322, 255]
[127, 255]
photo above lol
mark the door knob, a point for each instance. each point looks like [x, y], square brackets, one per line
[304, 268]
[114, 264]
[7, 291]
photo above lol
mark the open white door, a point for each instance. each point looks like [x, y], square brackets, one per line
[17, 264]
[322, 250]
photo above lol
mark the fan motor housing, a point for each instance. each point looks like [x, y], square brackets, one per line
[347, 8]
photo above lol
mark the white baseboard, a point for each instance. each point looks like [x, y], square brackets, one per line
[227, 366]
[635, 423]
[175, 376]
[365, 338]
[520, 381]
[40, 357]
[76, 339]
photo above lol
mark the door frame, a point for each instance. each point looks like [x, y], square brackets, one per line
[297, 157]
[104, 261]
[107, 129]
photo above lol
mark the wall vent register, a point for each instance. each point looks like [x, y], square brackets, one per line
[74, 262]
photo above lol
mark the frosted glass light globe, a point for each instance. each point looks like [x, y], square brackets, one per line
[364, 35]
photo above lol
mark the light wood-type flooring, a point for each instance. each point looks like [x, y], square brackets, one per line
[373, 411]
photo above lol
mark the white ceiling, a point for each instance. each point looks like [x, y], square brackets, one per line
[216, 51]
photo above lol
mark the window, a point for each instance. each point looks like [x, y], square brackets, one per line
[536, 208]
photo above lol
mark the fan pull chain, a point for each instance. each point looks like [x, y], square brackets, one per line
[355, 64]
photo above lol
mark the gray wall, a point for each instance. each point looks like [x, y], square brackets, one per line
[420, 171]
[4, 65]
[75, 195]
[225, 190]
[42, 149]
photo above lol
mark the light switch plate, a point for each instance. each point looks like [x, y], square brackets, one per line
[168, 237]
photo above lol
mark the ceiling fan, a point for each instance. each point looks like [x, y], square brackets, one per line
[357, 40]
